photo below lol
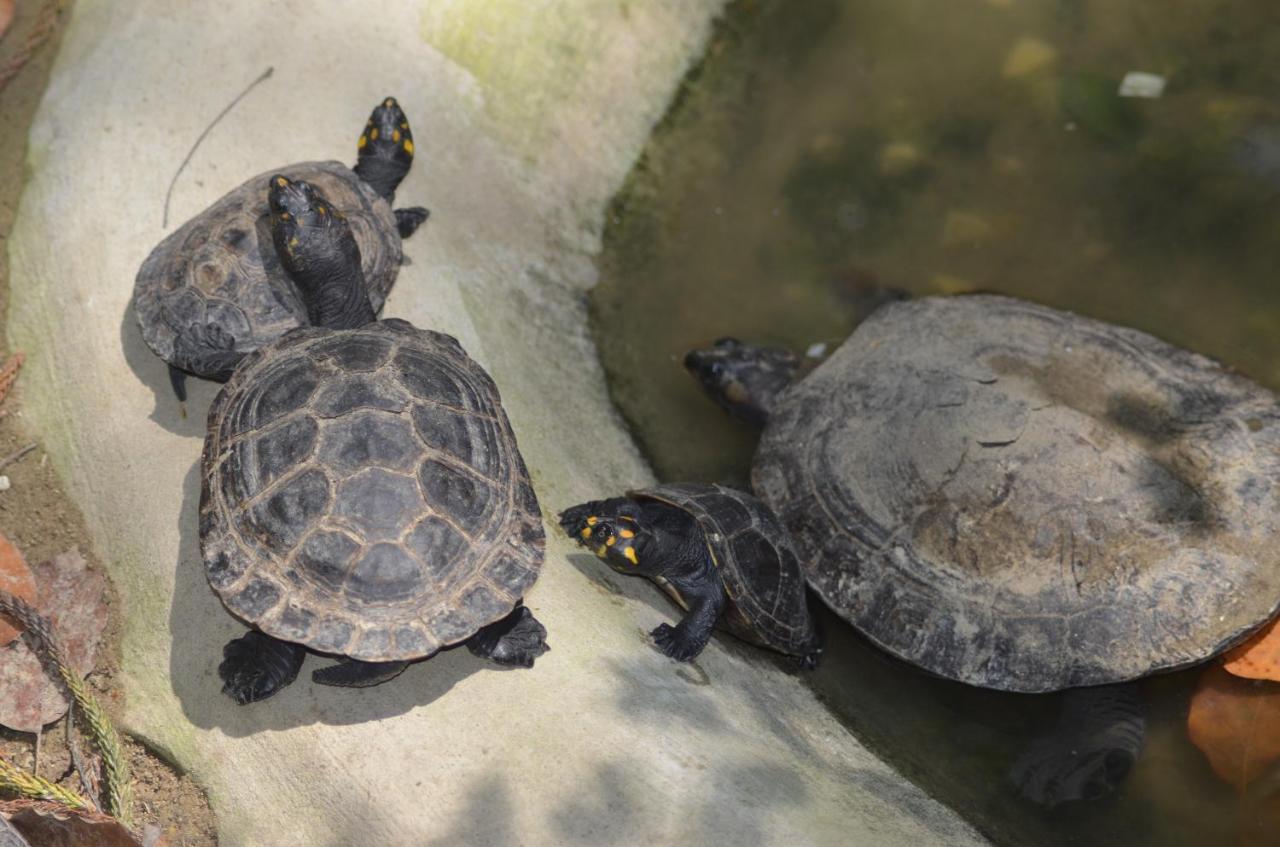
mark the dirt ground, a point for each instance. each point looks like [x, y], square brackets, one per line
[35, 512]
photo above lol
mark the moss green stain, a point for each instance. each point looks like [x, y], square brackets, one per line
[530, 59]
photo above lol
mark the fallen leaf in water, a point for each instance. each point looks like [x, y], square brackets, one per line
[73, 597]
[6, 14]
[16, 578]
[54, 825]
[1236, 723]
[1257, 658]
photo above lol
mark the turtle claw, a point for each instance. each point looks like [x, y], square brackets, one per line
[677, 643]
[256, 666]
[518, 639]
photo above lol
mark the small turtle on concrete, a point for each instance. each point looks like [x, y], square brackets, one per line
[1017, 497]
[362, 492]
[214, 290]
[717, 552]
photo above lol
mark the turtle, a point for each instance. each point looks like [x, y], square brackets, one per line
[213, 290]
[720, 555]
[1018, 497]
[362, 492]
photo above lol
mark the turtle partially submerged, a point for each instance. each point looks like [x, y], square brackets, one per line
[362, 493]
[719, 553]
[1017, 497]
[214, 291]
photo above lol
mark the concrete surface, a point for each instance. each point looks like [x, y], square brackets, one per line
[527, 118]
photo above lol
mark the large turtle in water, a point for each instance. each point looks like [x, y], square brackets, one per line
[1018, 497]
[362, 494]
[214, 291]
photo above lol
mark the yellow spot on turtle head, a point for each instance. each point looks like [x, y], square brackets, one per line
[626, 533]
[320, 209]
[284, 216]
[395, 135]
[373, 133]
[586, 532]
[404, 124]
[362, 142]
[630, 553]
[601, 550]
[626, 518]
[281, 181]
[592, 521]
[408, 146]
[613, 539]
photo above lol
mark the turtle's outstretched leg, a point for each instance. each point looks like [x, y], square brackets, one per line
[255, 666]
[408, 220]
[357, 674]
[665, 544]
[178, 379]
[517, 639]
[1089, 753]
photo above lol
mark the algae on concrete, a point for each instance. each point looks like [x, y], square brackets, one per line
[527, 123]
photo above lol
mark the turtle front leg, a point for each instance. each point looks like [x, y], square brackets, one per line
[706, 599]
[256, 666]
[357, 674]
[517, 639]
[408, 220]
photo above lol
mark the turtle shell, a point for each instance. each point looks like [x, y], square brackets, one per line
[362, 494]
[1025, 499]
[214, 289]
[767, 604]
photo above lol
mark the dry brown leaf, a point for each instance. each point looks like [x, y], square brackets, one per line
[1236, 723]
[74, 598]
[55, 825]
[16, 578]
[9, 370]
[1257, 658]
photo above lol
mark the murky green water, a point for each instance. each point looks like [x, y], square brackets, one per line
[828, 150]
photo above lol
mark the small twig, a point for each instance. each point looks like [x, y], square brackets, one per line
[263, 77]
[35, 755]
[88, 781]
[17, 454]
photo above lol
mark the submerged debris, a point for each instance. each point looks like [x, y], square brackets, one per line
[1236, 723]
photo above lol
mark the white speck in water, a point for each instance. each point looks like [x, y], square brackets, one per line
[719, 211]
[1141, 84]
[817, 350]
[776, 212]
[1069, 126]
[4, 483]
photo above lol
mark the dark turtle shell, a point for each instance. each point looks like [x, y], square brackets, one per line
[362, 494]
[761, 574]
[214, 289]
[1025, 499]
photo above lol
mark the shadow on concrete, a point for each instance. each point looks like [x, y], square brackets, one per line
[152, 372]
[200, 626]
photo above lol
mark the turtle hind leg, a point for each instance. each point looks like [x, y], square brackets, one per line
[408, 220]
[357, 674]
[256, 666]
[178, 379]
[517, 639]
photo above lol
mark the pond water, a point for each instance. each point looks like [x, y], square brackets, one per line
[830, 152]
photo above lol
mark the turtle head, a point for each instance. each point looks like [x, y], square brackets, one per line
[319, 252]
[615, 530]
[385, 148]
[743, 379]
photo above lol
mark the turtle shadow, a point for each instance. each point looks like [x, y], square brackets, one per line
[199, 626]
[153, 372]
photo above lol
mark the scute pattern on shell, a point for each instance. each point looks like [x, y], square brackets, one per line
[1025, 499]
[214, 289]
[756, 560]
[362, 493]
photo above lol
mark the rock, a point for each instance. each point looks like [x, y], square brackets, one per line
[527, 118]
